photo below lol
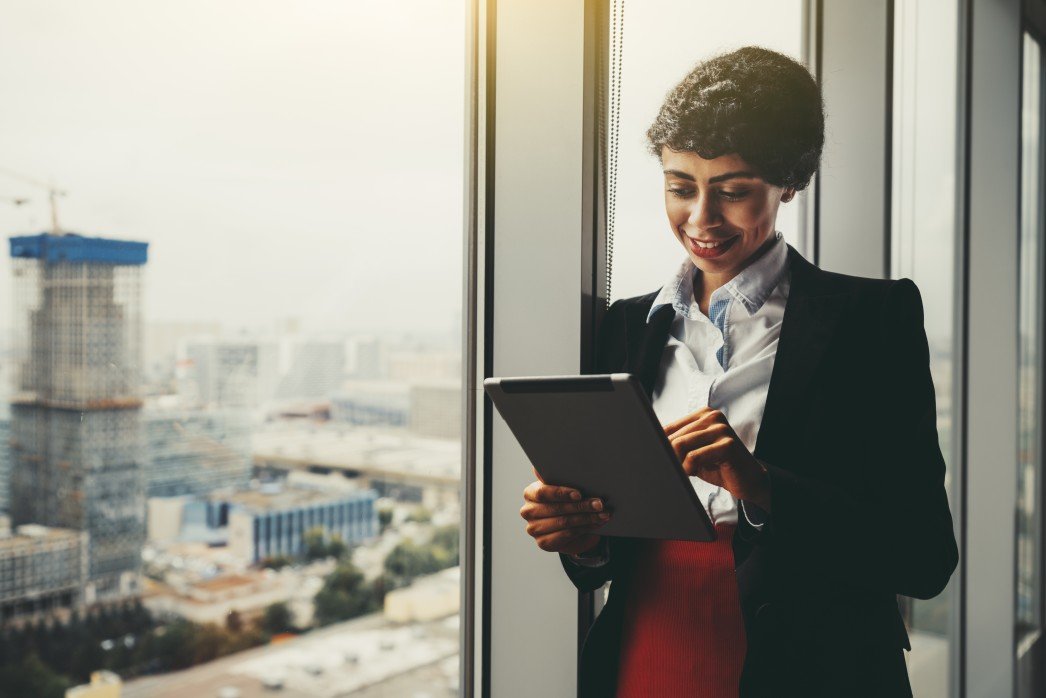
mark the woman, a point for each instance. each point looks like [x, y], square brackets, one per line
[799, 402]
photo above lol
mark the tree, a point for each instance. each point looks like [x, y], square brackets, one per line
[420, 514]
[344, 595]
[32, 678]
[276, 619]
[233, 621]
[446, 541]
[384, 518]
[337, 548]
[315, 544]
[276, 562]
[409, 560]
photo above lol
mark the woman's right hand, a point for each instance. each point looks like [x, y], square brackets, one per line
[560, 519]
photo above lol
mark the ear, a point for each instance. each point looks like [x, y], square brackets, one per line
[788, 195]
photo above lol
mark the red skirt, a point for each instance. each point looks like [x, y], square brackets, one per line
[683, 634]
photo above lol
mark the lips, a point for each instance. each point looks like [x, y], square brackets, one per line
[711, 252]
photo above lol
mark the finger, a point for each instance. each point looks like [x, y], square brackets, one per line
[686, 419]
[707, 457]
[537, 474]
[541, 527]
[540, 492]
[712, 418]
[533, 510]
[701, 419]
[689, 441]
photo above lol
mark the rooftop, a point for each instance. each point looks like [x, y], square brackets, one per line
[34, 532]
[70, 247]
[372, 451]
[274, 498]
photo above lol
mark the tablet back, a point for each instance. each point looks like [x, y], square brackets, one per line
[600, 435]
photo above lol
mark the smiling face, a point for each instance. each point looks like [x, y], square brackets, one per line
[721, 202]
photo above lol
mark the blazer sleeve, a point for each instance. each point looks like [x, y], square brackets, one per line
[609, 353]
[897, 537]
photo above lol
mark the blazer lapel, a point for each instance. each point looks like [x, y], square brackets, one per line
[812, 311]
[651, 343]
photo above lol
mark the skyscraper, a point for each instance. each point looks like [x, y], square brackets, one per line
[76, 442]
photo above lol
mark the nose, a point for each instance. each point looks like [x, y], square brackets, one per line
[704, 213]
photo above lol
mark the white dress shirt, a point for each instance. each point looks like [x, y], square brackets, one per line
[723, 360]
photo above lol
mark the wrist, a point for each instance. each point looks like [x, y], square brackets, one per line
[595, 551]
[760, 493]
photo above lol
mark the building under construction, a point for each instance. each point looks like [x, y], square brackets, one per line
[75, 433]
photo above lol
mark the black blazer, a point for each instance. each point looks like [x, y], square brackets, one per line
[860, 513]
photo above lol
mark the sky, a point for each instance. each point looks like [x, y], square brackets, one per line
[304, 159]
[283, 159]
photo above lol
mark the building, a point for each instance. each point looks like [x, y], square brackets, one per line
[435, 409]
[367, 357]
[5, 457]
[195, 451]
[419, 365]
[394, 462]
[272, 520]
[76, 441]
[187, 518]
[317, 369]
[104, 684]
[372, 403]
[228, 372]
[42, 570]
[160, 347]
[429, 598]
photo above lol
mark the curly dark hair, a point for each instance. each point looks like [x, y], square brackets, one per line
[757, 103]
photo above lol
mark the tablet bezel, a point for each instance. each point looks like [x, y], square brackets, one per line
[688, 518]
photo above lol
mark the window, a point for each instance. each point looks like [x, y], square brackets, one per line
[234, 362]
[659, 42]
[1029, 365]
[924, 249]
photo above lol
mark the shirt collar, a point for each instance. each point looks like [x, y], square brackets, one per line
[751, 287]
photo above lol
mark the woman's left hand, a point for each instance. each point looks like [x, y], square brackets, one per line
[707, 447]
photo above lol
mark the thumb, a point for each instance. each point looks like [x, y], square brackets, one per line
[537, 475]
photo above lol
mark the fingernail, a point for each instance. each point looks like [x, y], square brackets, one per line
[575, 495]
[604, 516]
[597, 505]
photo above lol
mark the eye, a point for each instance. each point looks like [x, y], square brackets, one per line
[733, 195]
[680, 193]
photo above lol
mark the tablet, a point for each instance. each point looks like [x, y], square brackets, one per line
[599, 434]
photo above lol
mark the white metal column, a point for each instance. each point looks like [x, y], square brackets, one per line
[992, 228]
[852, 185]
[535, 265]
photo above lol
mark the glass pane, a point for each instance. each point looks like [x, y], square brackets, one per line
[657, 53]
[924, 250]
[1029, 513]
[243, 381]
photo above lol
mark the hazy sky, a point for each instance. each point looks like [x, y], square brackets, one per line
[281, 158]
[305, 158]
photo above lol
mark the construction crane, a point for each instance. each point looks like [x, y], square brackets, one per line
[52, 194]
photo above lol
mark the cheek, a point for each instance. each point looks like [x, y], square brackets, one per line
[677, 214]
[751, 214]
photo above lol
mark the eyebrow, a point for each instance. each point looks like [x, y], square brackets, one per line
[713, 180]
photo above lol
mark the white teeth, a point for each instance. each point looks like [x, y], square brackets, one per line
[709, 245]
